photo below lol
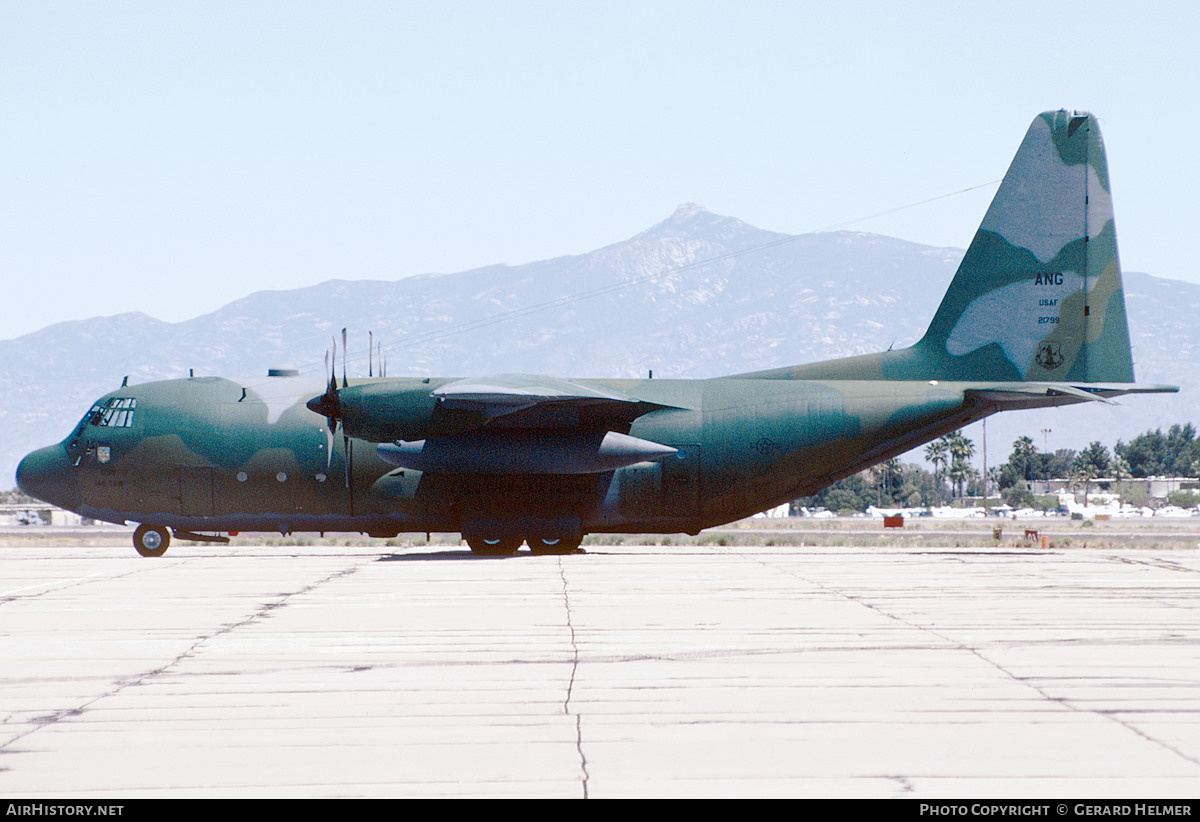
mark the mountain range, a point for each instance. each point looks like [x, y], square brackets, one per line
[697, 295]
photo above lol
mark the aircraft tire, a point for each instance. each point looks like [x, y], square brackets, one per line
[151, 540]
[556, 546]
[494, 546]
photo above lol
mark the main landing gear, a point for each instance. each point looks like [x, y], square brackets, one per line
[151, 540]
[553, 545]
[507, 546]
[494, 546]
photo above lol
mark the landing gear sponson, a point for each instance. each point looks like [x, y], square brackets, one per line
[507, 546]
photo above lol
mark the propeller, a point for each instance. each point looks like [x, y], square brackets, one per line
[329, 404]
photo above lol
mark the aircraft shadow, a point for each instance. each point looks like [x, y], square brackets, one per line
[459, 554]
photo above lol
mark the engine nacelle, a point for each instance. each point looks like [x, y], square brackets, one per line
[524, 452]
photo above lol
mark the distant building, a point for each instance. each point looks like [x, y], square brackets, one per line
[39, 513]
[1154, 487]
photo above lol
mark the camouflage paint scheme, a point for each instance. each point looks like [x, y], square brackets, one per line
[1035, 316]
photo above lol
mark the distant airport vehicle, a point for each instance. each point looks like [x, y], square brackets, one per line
[1035, 316]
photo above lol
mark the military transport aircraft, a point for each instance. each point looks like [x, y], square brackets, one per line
[1035, 316]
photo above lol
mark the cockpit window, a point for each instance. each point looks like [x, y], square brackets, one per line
[116, 412]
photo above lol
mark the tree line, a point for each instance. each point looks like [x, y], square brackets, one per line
[892, 484]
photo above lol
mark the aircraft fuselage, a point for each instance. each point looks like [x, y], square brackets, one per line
[220, 454]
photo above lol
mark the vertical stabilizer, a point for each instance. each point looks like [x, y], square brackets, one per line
[1038, 295]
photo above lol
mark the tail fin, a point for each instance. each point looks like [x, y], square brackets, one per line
[1038, 296]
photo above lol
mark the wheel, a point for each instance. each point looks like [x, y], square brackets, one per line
[553, 545]
[494, 546]
[151, 540]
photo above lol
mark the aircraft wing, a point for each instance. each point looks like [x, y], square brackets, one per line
[506, 423]
[530, 424]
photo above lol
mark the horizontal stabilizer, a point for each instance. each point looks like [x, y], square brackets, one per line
[1012, 396]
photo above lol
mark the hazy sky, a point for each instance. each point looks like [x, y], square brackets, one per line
[169, 157]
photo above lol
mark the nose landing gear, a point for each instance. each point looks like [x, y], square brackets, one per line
[151, 540]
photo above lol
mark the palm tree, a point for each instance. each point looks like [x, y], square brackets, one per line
[888, 476]
[1024, 454]
[961, 450]
[1084, 472]
[1092, 462]
[960, 474]
[936, 453]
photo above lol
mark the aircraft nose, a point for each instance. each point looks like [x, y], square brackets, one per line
[49, 474]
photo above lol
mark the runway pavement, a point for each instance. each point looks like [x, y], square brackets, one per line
[220, 671]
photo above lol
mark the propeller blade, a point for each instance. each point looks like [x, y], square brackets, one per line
[329, 405]
[345, 382]
[332, 363]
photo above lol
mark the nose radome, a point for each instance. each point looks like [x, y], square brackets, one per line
[49, 474]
